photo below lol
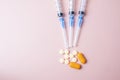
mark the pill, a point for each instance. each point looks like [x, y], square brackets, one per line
[61, 51]
[75, 52]
[66, 56]
[74, 65]
[61, 60]
[67, 61]
[74, 59]
[81, 57]
[71, 56]
[67, 51]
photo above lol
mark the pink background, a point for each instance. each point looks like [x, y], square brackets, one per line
[30, 38]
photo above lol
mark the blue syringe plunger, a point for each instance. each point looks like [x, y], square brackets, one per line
[62, 22]
[71, 20]
[80, 19]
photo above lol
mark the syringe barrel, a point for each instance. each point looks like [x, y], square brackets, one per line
[59, 8]
[71, 6]
[71, 21]
[80, 22]
[83, 5]
[62, 22]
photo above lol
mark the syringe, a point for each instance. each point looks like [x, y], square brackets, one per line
[71, 21]
[62, 22]
[80, 20]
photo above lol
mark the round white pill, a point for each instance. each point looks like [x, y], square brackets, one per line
[74, 59]
[61, 51]
[75, 52]
[67, 51]
[71, 56]
[61, 60]
[67, 61]
[66, 56]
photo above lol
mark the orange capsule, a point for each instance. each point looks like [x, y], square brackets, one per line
[74, 65]
[82, 58]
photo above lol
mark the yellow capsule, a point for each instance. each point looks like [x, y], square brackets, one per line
[82, 58]
[74, 65]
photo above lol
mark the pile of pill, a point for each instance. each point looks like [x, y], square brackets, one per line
[71, 58]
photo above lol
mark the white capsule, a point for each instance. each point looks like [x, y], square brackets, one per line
[67, 51]
[66, 56]
[61, 52]
[62, 60]
[74, 59]
[71, 56]
[75, 52]
[67, 61]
